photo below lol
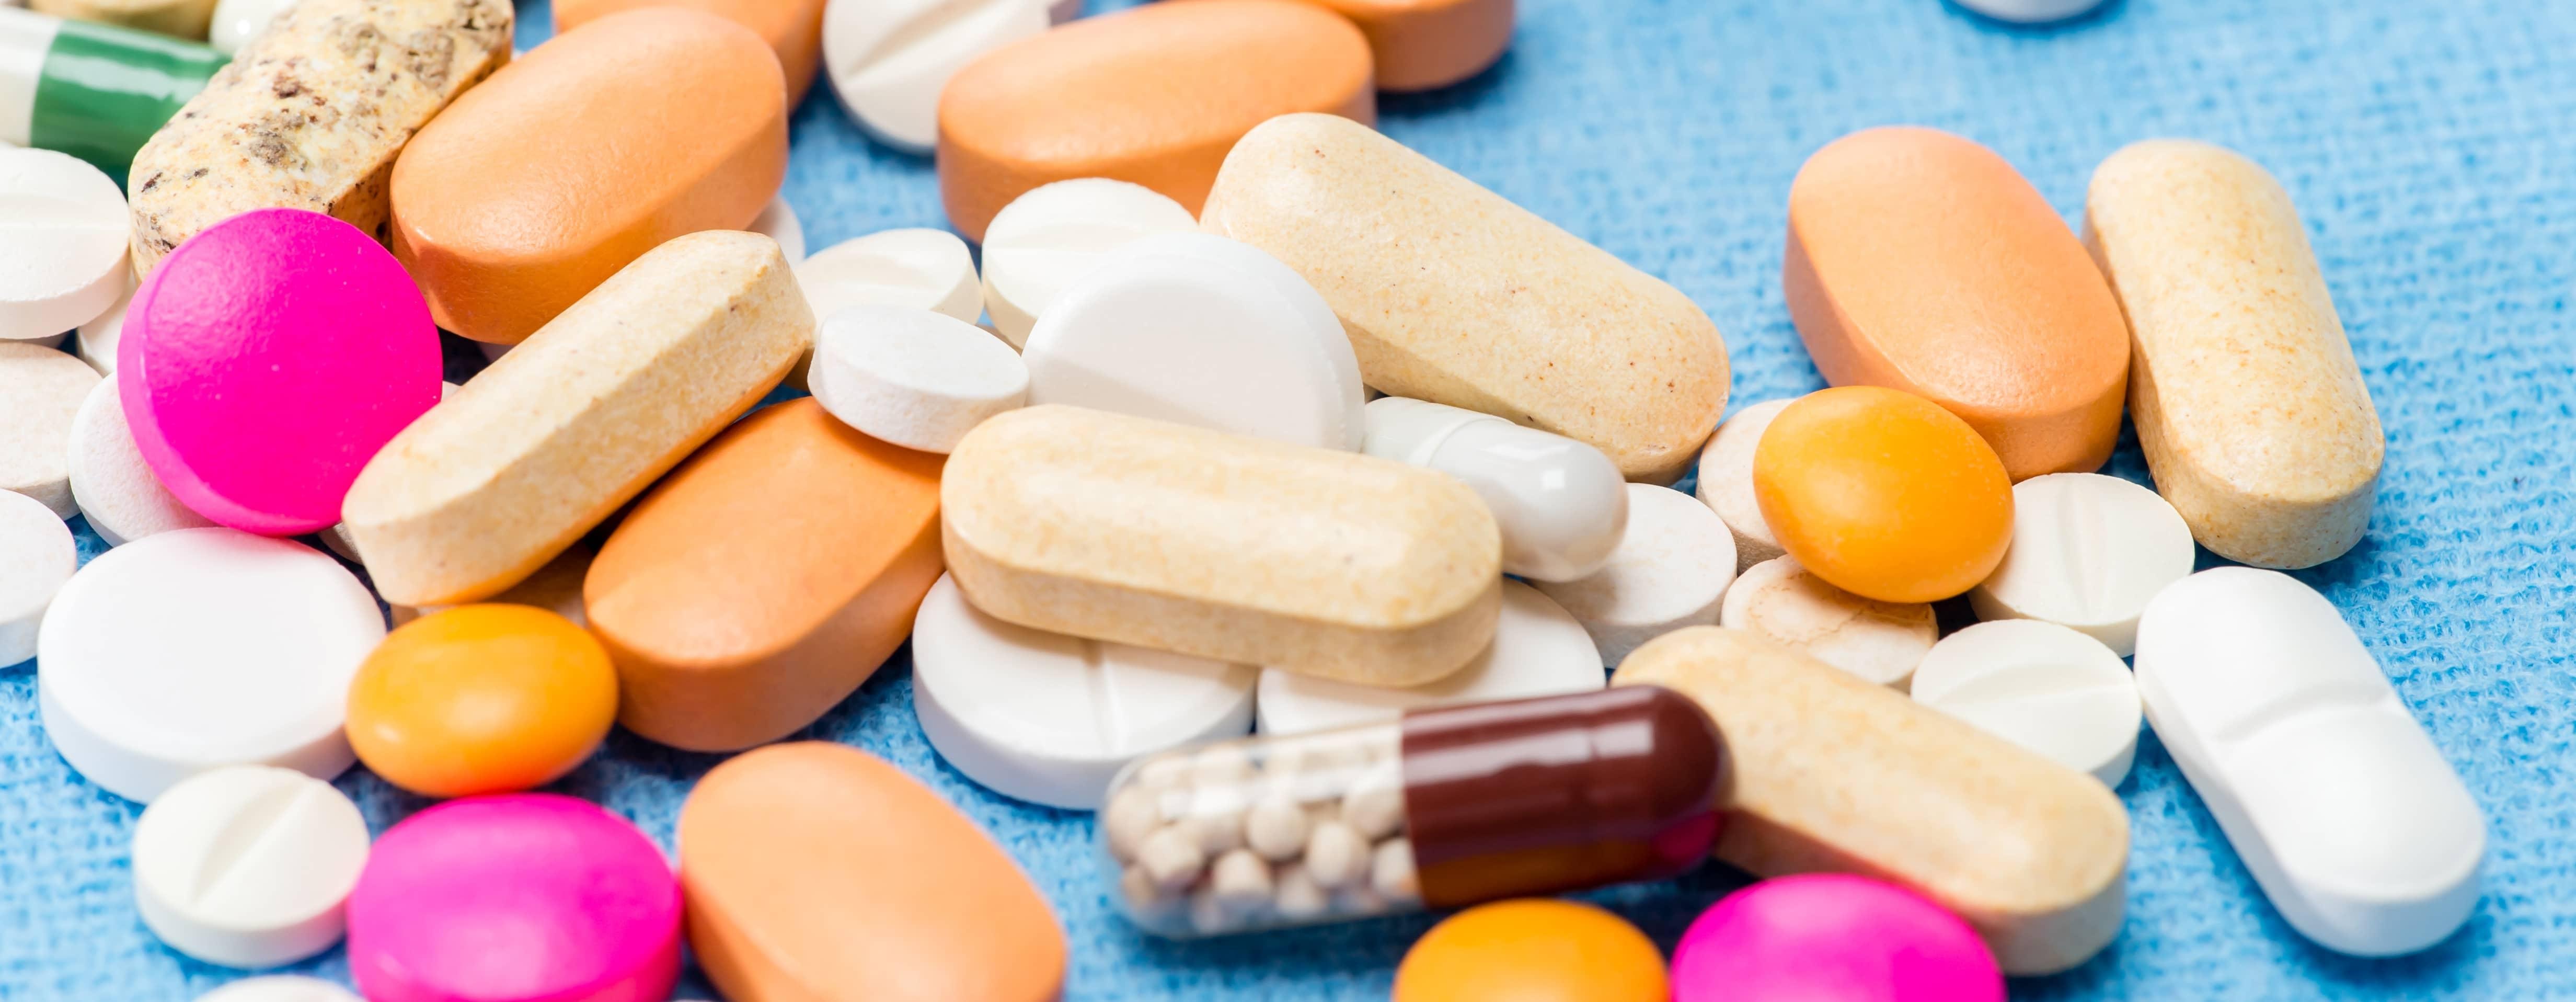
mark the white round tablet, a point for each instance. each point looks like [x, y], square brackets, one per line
[778, 222]
[1878, 641]
[280, 988]
[116, 490]
[2041, 686]
[40, 394]
[199, 648]
[2088, 552]
[1050, 719]
[889, 59]
[238, 21]
[248, 865]
[1670, 570]
[1054, 234]
[912, 377]
[96, 341]
[64, 259]
[1726, 481]
[2030, 11]
[37, 554]
[1201, 330]
[922, 268]
[1538, 650]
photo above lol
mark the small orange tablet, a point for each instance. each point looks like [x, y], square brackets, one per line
[793, 28]
[481, 699]
[1532, 950]
[1883, 493]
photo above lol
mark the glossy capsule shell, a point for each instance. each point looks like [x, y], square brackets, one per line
[1561, 504]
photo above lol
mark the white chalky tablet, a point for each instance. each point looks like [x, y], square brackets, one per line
[96, 341]
[63, 232]
[1049, 718]
[1538, 650]
[778, 222]
[2351, 820]
[116, 491]
[199, 648]
[1670, 570]
[1562, 505]
[37, 554]
[1053, 235]
[1198, 329]
[889, 59]
[2041, 686]
[2030, 11]
[2088, 552]
[1726, 481]
[238, 21]
[913, 377]
[1877, 641]
[41, 390]
[248, 865]
[280, 988]
[923, 268]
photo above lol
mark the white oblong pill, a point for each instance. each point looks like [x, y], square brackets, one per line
[1877, 641]
[2030, 11]
[41, 390]
[889, 59]
[200, 648]
[2352, 822]
[778, 222]
[280, 988]
[1726, 481]
[37, 555]
[248, 865]
[236, 22]
[912, 377]
[1538, 650]
[97, 340]
[2041, 686]
[1197, 329]
[1055, 234]
[2088, 552]
[1670, 570]
[116, 490]
[1562, 504]
[1050, 719]
[63, 261]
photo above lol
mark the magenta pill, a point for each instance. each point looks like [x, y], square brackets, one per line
[1832, 938]
[523, 897]
[266, 360]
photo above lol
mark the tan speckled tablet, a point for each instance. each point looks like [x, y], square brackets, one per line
[1834, 774]
[2248, 402]
[1451, 294]
[500, 477]
[1318, 561]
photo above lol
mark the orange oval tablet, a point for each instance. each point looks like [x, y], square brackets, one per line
[764, 579]
[533, 188]
[1153, 95]
[820, 873]
[793, 28]
[1423, 44]
[1532, 950]
[481, 699]
[1921, 261]
[1884, 494]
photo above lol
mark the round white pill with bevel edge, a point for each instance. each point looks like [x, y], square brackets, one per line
[117, 491]
[1670, 570]
[37, 554]
[929, 269]
[97, 340]
[1053, 235]
[1538, 650]
[2041, 686]
[2088, 552]
[912, 377]
[40, 393]
[889, 59]
[1877, 641]
[248, 865]
[280, 988]
[62, 258]
[1726, 481]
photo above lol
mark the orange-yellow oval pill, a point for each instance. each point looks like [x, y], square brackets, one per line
[481, 699]
[1532, 950]
[1884, 494]
[793, 28]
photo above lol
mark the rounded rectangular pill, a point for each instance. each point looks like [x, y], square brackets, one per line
[1453, 295]
[506, 473]
[2250, 408]
[764, 579]
[1240, 549]
[1835, 774]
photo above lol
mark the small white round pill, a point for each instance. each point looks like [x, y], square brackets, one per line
[280, 988]
[1391, 871]
[778, 222]
[97, 340]
[1171, 858]
[1538, 650]
[1276, 828]
[889, 59]
[913, 377]
[1877, 641]
[2041, 686]
[2088, 552]
[1669, 571]
[63, 262]
[37, 556]
[248, 866]
[238, 21]
[2030, 11]
[115, 489]
[1562, 505]
[1726, 481]
[1054, 234]
[1336, 855]
[41, 391]
[1240, 879]
[1374, 807]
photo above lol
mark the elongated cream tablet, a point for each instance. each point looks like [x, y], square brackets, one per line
[1877, 641]
[921, 268]
[63, 262]
[1726, 481]
[2041, 686]
[248, 865]
[2088, 552]
[912, 377]
[889, 59]
[1051, 237]
[117, 491]
[1538, 650]
[1561, 504]
[37, 554]
[1670, 570]
[41, 390]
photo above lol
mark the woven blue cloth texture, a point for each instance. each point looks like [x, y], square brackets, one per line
[2431, 149]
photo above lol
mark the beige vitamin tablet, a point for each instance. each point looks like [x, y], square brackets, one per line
[1876, 641]
[1453, 295]
[1177, 538]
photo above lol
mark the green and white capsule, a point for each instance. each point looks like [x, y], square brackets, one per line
[94, 91]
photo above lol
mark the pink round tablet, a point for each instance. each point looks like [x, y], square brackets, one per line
[266, 360]
[1832, 938]
[525, 897]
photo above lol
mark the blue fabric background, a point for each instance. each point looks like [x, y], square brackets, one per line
[2431, 148]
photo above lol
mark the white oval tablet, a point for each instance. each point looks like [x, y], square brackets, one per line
[2088, 552]
[63, 259]
[1054, 234]
[1197, 329]
[1562, 505]
[889, 59]
[2351, 820]
[1877, 641]
[37, 554]
[2041, 686]
[912, 377]
[41, 390]
[238, 21]
[1670, 570]
[1050, 719]
[1726, 481]
[778, 222]
[199, 648]
[1538, 650]
[116, 490]
[96, 341]
[280, 988]
[248, 865]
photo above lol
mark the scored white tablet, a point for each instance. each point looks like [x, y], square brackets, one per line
[889, 59]
[1670, 570]
[1726, 481]
[2088, 552]
[1054, 234]
[248, 865]
[63, 261]
[2041, 686]
[1538, 650]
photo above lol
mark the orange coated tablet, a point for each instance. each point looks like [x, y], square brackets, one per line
[599, 145]
[1532, 950]
[481, 699]
[1422, 44]
[764, 579]
[816, 872]
[793, 28]
[1921, 261]
[1154, 95]
[1884, 494]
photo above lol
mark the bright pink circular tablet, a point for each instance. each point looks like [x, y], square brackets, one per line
[266, 360]
[1832, 938]
[525, 897]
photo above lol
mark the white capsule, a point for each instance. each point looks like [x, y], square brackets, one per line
[1877, 641]
[1054, 234]
[2088, 552]
[1562, 504]
[248, 866]
[2041, 686]
[1670, 570]
[1726, 481]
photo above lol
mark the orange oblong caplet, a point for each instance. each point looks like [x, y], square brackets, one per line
[1154, 95]
[793, 28]
[575, 159]
[1921, 261]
